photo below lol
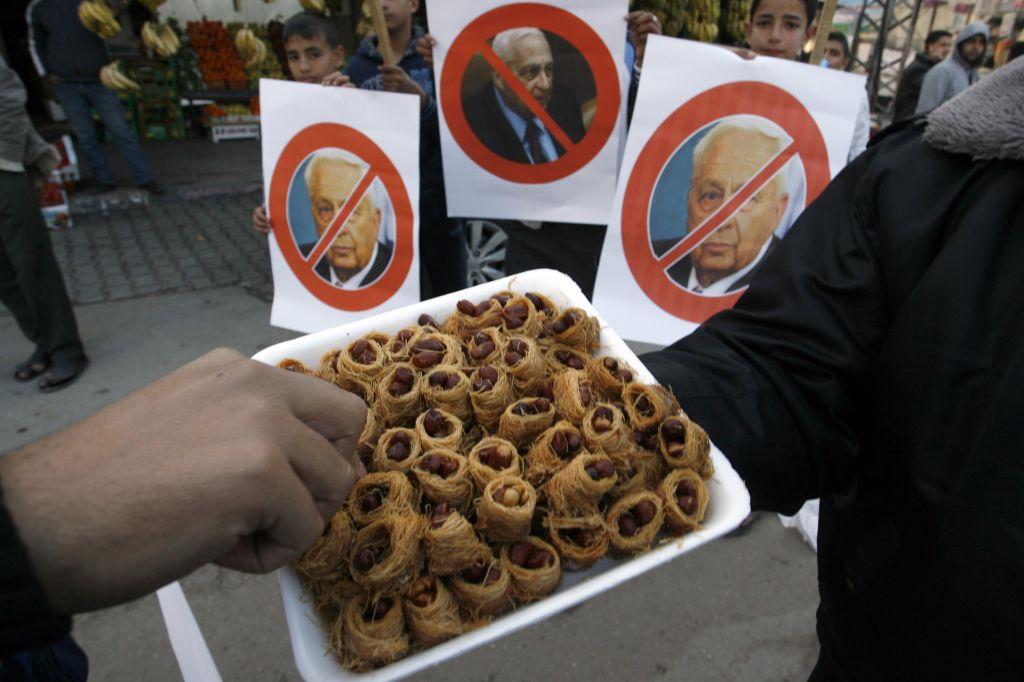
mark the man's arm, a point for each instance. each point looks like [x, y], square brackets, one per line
[772, 380]
[37, 39]
[225, 460]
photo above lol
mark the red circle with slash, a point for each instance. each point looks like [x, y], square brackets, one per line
[473, 39]
[337, 136]
[751, 98]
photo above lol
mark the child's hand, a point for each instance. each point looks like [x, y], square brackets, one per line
[337, 79]
[425, 48]
[260, 222]
[640, 25]
[395, 79]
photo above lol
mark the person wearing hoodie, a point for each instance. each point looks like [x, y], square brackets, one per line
[958, 71]
[894, 392]
[937, 47]
[443, 251]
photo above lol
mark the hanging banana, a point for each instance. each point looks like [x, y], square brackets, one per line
[111, 77]
[97, 17]
[317, 6]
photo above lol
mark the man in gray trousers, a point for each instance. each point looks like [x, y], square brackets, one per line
[31, 285]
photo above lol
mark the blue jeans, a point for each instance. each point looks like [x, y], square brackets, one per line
[78, 100]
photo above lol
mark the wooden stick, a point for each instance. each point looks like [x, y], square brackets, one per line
[824, 28]
[380, 27]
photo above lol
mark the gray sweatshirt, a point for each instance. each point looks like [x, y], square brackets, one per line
[953, 75]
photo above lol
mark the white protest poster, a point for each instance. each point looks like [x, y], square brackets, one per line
[532, 101]
[719, 162]
[341, 179]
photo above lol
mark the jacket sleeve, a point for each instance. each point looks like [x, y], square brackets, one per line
[773, 380]
[934, 90]
[26, 621]
[37, 39]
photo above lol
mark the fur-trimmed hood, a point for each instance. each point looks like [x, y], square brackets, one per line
[986, 121]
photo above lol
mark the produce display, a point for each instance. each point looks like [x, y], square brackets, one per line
[221, 67]
[501, 451]
[736, 14]
[702, 20]
[160, 38]
[260, 59]
[112, 78]
[97, 17]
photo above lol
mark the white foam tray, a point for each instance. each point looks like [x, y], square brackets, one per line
[729, 500]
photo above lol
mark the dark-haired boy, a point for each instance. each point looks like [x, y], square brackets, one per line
[781, 28]
[442, 239]
[937, 47]
[837, 51]
[313, 50]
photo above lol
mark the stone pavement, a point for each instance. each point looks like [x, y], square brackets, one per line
[171, 245]
[158, 285]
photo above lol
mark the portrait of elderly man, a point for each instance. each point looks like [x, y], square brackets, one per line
[503, 122]
[723, 161]
[357, 256]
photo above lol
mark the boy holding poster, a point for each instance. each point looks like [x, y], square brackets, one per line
[442, 242]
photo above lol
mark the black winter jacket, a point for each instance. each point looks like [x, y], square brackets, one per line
[877, 361]
[60, 44]
[909, 88]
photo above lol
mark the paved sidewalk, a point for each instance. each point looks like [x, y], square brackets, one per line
[171, 245]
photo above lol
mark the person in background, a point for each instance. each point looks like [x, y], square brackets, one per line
[937, 46]
[443, 251]
[127, 500]
[31, 285]
[572, 248]
[958, 71]
[781, 28]
[313, 49]
[69, 57]
[837, 51]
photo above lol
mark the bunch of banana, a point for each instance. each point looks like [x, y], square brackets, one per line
[736, 15]
[669, 12]
[111, 77]
[97, 17]
[317, 6]
[160, 38]
[253, 50]
[702, 20]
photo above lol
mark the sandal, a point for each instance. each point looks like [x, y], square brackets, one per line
[33, 367]
[62, 374]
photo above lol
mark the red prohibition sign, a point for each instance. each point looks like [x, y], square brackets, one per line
[473, 40]
[337, 136]
[753, 98]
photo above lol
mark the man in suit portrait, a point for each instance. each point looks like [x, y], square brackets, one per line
[723, 161]
[507, 126]
[357, 257]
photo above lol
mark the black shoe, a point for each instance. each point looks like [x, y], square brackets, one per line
[62, 373]
[33, 367]
[154, 187]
